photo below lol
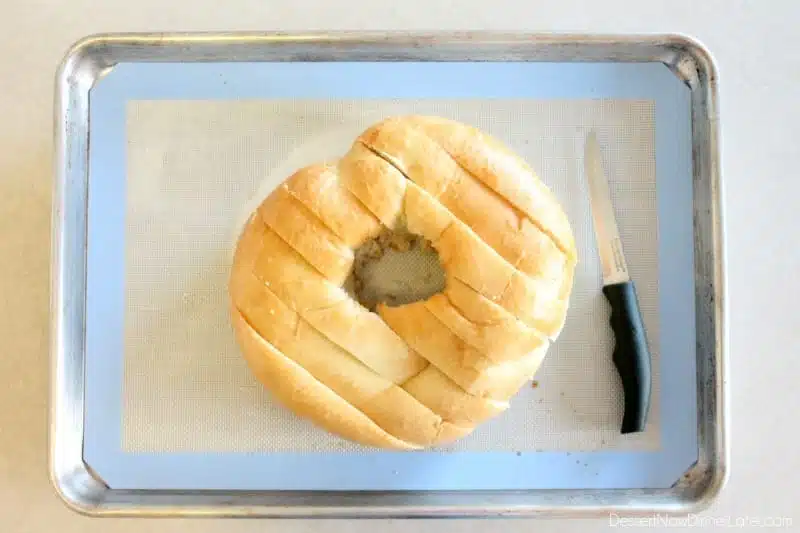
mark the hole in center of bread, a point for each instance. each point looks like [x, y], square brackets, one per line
[395, 268]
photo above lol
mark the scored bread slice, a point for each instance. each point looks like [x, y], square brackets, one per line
[388, 405]
[376, 184]
[504, 227]
[504, 172]
[491, 330]
[365, 335]
[460, 362]
[307, 235]
[443, 396]
[468, 259]
[301, 392]
[319, 189]
[328, 307]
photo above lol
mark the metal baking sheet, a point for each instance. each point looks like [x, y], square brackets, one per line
[89, 466]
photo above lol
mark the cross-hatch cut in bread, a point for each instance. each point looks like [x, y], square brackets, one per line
[424, 373]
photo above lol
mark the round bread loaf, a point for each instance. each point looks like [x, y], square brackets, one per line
[417, 374]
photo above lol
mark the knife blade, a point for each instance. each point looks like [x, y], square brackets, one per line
[631, 355]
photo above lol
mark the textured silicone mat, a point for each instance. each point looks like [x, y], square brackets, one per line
[195, 169]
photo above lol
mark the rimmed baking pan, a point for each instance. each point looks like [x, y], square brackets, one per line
[137, 117]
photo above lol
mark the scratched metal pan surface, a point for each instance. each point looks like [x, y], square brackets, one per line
[88, 61]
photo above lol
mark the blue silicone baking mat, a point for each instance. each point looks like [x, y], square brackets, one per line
[179, 151]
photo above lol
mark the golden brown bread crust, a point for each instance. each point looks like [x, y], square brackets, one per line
[296, 388]
[317, 188]
[322, 304]
[505, 173]
[424, 373]
[306, 234]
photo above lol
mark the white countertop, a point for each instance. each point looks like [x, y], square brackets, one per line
[753, 44]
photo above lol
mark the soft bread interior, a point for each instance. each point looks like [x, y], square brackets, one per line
[396, 268]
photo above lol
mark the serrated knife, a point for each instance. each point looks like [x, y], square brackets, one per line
[631, 355]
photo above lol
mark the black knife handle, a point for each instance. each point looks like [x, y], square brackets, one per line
[631, 354]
